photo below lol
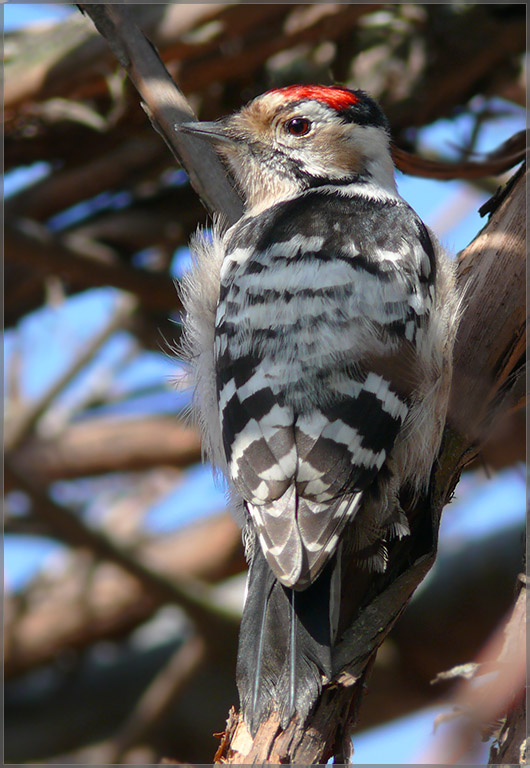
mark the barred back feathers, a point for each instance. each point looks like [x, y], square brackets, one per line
[319, 329]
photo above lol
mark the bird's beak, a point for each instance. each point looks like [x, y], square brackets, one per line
[215, 132]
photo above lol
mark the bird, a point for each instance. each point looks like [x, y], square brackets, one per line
[318, 330]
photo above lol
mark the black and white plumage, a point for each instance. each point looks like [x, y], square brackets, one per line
[319, 329]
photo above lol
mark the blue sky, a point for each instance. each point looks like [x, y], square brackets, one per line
[17, 15]
[143, 384]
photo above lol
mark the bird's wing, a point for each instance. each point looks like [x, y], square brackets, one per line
[310, 339]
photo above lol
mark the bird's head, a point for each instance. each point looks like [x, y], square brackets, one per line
[300, 137]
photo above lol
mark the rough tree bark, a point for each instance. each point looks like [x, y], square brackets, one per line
[488, 382]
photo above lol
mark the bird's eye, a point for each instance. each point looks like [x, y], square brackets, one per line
[298, 126]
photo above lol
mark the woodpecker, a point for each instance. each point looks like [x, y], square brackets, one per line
[319, 331]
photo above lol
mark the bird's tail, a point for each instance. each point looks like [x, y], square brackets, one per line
[285, 645]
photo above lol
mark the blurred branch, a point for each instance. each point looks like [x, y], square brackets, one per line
[58, 619]
[68, 186]
[195, 597]
[457, 61]
[22, 424]
[64, 613]
[506, 156]
[218, 51]
[68, 55]
[469, 591]
[31, 244]
[104, 445]
[161, 693]
[251, 38]
[13, 397]
[166, 106]
[95, 697]
[490, 690]
[511, 745]
[97, 389]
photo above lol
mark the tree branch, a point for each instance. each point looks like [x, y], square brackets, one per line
[106, 445]
[166, 106]
[506, 156]
[159, 696]
[112, 603]
[195, 597]
[21, 426]
[31, 244]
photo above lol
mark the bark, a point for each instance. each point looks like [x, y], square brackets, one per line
[512, 747]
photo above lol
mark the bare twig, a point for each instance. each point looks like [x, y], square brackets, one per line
[506, 156]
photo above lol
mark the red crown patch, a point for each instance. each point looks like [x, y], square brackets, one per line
[334, 96]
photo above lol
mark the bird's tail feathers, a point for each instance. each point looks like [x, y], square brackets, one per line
[285, 645]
